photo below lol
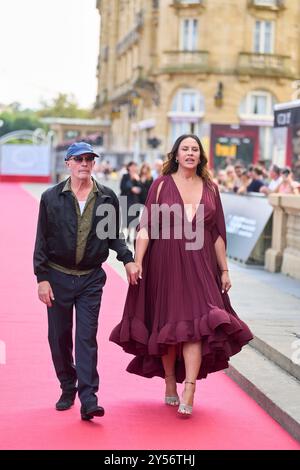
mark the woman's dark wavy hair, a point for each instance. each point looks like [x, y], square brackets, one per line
[170, 166]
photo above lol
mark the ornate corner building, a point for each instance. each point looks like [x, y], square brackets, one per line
[168, 67]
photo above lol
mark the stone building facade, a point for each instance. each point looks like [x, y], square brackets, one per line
[168, 67]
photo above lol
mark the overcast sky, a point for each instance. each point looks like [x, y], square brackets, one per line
[46, 47]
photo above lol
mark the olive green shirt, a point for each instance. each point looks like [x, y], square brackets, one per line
[84, 224]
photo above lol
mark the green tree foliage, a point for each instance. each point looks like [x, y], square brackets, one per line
[13, 119]
[63, 105]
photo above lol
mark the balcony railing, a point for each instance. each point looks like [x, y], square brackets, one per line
[270, 65]
[179, 3]
[184, 61]
[270, 4]
[122, 90]
[132, 36]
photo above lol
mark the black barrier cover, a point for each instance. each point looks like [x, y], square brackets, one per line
[246, 218]
[288, 117]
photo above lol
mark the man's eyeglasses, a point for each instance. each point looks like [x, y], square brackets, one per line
[80, 158]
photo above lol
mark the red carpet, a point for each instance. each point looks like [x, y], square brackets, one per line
[224, 417]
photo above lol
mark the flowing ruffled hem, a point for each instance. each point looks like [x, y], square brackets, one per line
[221, 333]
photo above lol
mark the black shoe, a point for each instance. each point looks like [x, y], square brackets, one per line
[88, 412]
[66, 401]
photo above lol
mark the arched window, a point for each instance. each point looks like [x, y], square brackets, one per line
[257, 109]
[187, 111]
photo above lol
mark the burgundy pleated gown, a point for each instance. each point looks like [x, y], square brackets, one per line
[179, 298]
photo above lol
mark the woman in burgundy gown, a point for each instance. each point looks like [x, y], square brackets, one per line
[178, 321]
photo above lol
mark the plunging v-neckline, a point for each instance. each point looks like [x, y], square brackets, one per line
[183, 204]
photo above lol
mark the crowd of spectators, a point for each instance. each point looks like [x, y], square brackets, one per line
[236, 177]
[240, 179]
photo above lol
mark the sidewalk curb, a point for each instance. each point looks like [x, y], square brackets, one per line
[284, 419]
[276, 356]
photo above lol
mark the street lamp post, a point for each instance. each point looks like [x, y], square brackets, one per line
[136, 148]
[154, 143]
[135, 101]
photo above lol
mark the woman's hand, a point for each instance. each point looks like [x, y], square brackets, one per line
[140, 269]
[225, 280]
[132, 272]
[136, 189]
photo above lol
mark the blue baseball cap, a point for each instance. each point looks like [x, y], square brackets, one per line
[79, 148]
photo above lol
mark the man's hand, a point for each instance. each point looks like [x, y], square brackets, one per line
[133, 272]
[45, 293]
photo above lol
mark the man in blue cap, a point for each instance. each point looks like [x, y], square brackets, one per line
[69, 251]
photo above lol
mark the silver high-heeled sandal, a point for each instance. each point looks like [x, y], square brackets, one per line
[171, 400]
[186, 410]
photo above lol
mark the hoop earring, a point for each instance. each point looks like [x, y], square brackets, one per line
[176, 161]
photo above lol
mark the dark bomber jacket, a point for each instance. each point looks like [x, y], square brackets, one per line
[56, 236]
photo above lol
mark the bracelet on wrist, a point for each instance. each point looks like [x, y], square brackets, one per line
[224, 270]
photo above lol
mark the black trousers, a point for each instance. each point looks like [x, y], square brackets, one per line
[84, 293]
